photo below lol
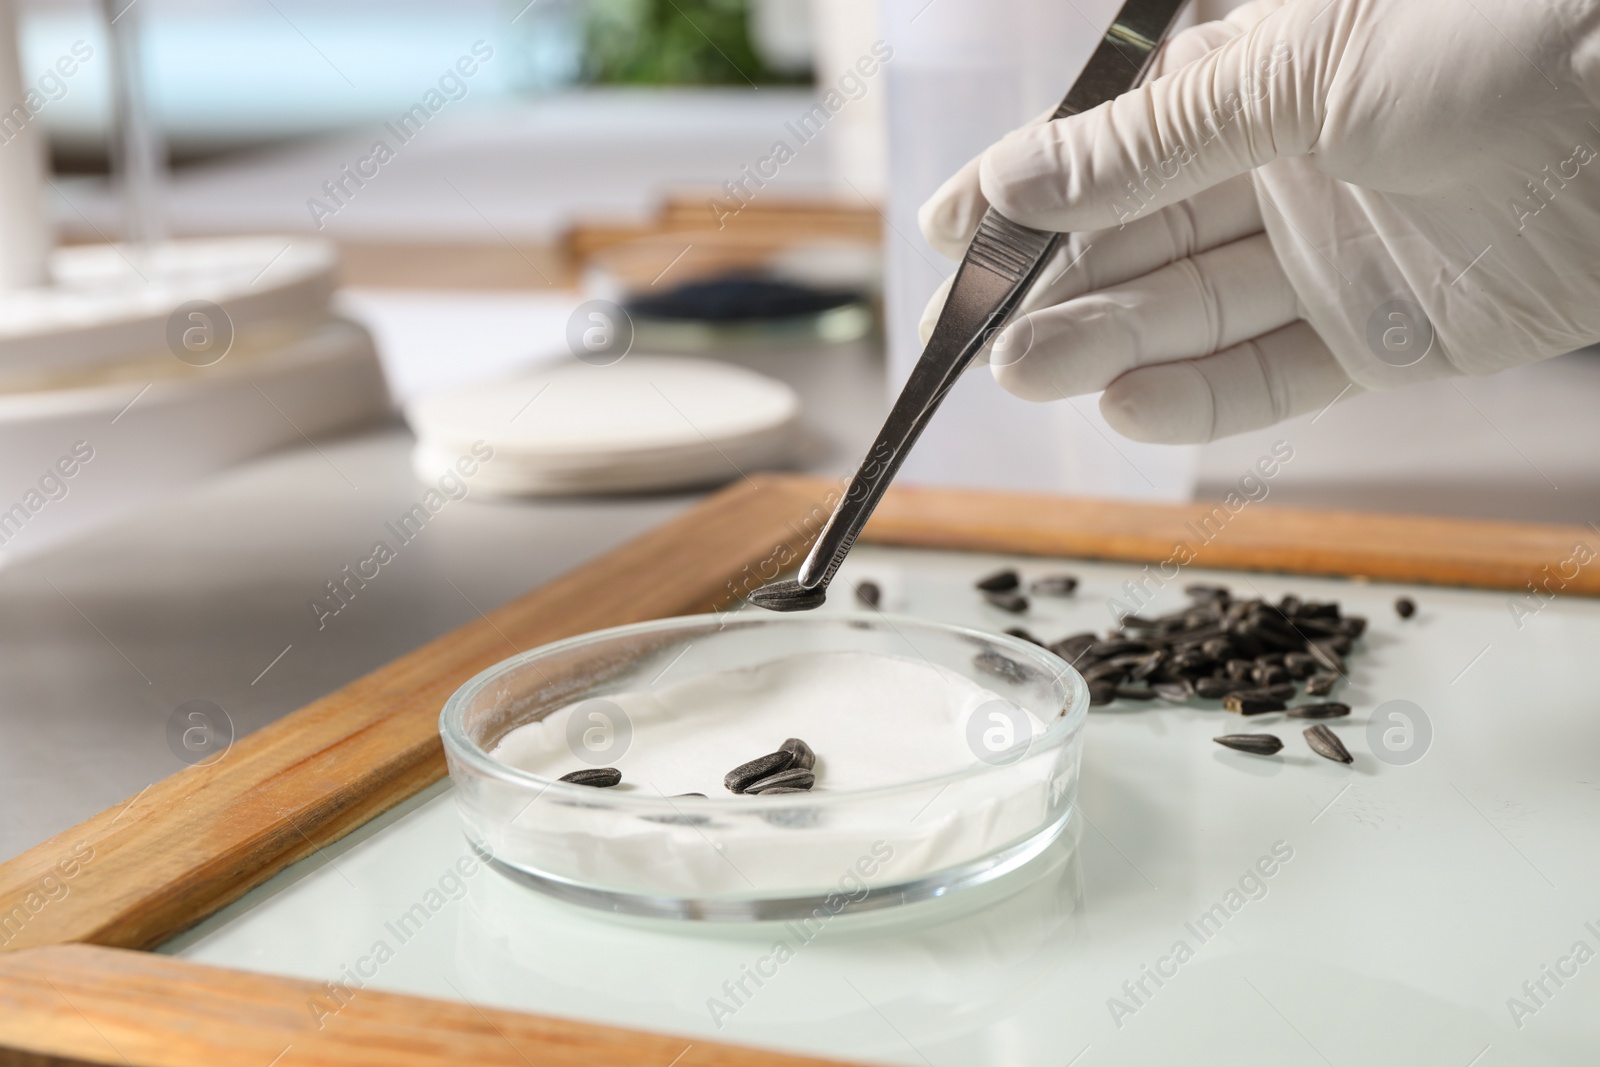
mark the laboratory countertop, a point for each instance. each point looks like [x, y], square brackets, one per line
[204, 594]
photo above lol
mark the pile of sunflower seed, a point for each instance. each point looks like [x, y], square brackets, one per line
[1253, 655]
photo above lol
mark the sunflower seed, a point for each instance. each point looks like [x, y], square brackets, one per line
[1211, 593]
[1269, 675]
[1054, 585]
[1073, 647]
[599, 777]
[1405, 607]
[869, 593]
[1117, 647]
[1216, 688]
[1330, 710]
[1339, 642]
[794, 778]
[1015, 603]
[1003, 666]
[1024, 634]
[1244, 704]
[804, 758]
[1101, 693]
[1326, 655]
[1179, 692]
[1325, 743]
[1238, 670]
[1321, 684]
[1147, 665]
[743, 776]
[1135, 692]
[1255, 744]
[1105, 672]
[1192, 660]
[1300, 664]
[1004, 581]
[1281, 691]
[775, 790]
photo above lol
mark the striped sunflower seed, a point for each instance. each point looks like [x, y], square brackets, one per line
[599, 777]
[794, 778]
[804, 758]
[746, 774]
[1331, 709]
[1325, 743]
[1255, 744]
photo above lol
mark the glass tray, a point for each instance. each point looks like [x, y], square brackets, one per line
[1206, 907]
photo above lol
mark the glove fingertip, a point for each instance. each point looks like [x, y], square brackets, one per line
[1160, 405]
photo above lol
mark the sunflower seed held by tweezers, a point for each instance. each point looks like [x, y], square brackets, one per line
[1325, 743]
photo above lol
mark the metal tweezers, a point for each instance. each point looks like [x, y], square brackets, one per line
[1001, 265]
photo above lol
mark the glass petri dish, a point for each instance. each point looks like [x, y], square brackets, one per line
[733, 857]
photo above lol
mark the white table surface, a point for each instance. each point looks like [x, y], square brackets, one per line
[1418, 899]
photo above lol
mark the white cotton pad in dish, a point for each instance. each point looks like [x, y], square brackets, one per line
[644, 423]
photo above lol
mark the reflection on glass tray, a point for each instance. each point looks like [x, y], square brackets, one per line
[1215, 907]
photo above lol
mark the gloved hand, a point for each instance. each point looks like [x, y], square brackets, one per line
[1313, 193]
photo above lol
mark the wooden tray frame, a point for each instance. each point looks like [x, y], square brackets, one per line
[76, 911]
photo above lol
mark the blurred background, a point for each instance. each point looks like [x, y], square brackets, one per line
[270, 268]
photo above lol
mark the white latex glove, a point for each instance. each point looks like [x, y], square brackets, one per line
[1313, 193]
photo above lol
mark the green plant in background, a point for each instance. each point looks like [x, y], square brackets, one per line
[675, 42]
